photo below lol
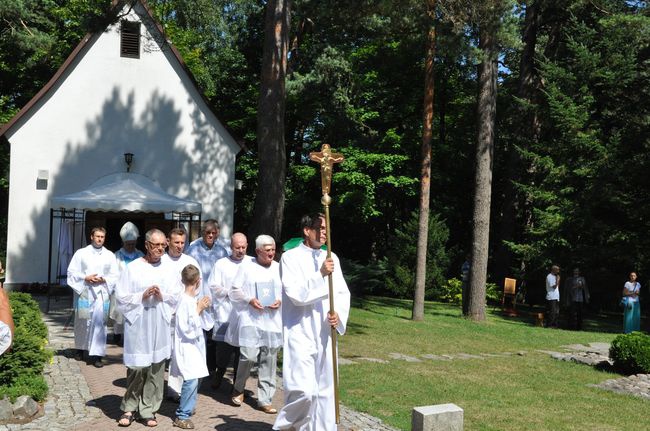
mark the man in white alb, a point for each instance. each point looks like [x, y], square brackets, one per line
[147, 294]
[256, 327]
[92, 274]
[307, 357]
[178, 260]
[220, 283]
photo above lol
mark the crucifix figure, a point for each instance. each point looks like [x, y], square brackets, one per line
[326, 158]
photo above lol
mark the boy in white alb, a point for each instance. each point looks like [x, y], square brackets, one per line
[188, 356]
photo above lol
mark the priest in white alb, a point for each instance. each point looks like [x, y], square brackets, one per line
[147, 295]
[307, 368]
[92, 274]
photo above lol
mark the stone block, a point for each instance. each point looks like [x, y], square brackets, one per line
[25, 407]
[6, 410]
[439, 417]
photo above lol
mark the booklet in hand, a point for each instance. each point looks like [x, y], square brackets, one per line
[265, 293]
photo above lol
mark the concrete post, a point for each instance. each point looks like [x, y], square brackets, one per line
[440, 417]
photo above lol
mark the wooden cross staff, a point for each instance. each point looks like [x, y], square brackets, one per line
[326, 159]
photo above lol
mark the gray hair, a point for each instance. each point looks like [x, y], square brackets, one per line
[210, 224]
[151, 232]
[263, 240]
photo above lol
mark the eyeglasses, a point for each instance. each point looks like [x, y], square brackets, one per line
[157, 245]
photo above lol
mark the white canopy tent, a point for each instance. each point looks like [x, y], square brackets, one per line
[120, 192]
[125, 192]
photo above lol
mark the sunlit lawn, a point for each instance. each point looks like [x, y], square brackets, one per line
[527, 391]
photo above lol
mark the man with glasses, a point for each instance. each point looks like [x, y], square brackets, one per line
[307, 356]
[147, 294]
[207, 251]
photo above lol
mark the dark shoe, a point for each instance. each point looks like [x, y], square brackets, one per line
[149, 422]
[218, 377]
[185, 424]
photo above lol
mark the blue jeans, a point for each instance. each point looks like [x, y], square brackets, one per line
[189, 393]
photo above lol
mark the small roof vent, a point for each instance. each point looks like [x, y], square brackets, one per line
[130, 39]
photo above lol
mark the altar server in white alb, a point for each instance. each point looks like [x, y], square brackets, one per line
[188, 357]
[307, 358]
[92, 274]
[220, 283]
[147, 294]
[177, 260]
[125, 255]
[257, 325]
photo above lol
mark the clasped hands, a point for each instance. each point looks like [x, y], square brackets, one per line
[94, 279]
[152, 291]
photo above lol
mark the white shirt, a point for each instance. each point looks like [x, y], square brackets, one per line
[220, 282]
[188, 359]
[147, 330]
[633, 288]
[552, 291]
[5, 337]
[250, 327]
[90, 260]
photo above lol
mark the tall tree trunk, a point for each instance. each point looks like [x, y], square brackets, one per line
[269, 200]
[529, 131]
[487, 98]
[425, 168]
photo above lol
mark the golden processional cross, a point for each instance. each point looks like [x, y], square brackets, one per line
[326, 158]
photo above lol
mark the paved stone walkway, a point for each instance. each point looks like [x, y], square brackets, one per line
[83, 397]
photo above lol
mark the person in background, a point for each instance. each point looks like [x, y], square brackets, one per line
[207, 251]
[553, 297]
[125, 255]
[576, 294]
[631, 306]
[92, 274]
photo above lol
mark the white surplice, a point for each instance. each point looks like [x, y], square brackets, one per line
[220, 283]
[175, 382]
[307, 359]
[123, 258]
[249, 327]
[147, 323]
[91, 300]
[188, 358]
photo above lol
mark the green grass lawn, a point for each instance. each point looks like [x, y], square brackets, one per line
[530, 391]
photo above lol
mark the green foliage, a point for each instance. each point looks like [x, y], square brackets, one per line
[401, 257]
[451, 292]
[631, 353]
[368, 279]
[21, 369]
[493, 293]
